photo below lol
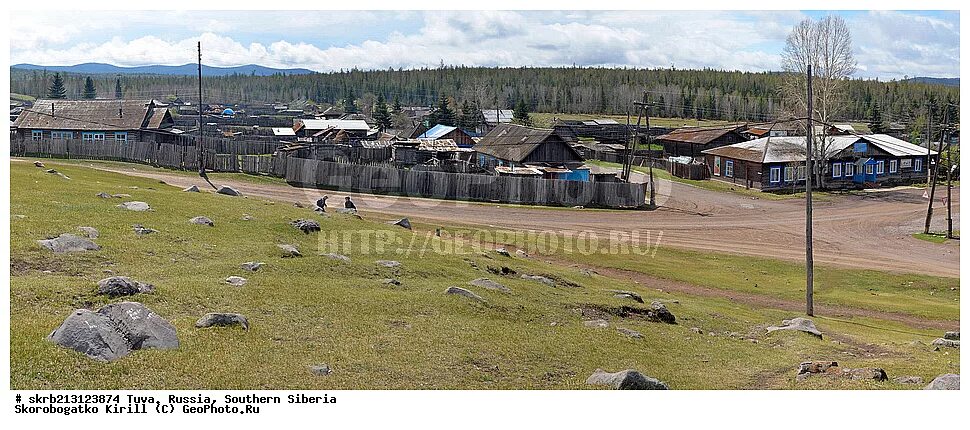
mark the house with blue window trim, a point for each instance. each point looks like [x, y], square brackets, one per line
[850, 161]
[96, 121]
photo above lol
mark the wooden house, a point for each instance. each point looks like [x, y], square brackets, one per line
[510, 147]
[691, 141]
[438, 132]
[96, 121]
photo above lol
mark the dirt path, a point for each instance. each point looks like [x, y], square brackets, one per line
[867, 231]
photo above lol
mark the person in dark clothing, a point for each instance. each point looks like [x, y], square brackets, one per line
[321, 204]
[349, 204]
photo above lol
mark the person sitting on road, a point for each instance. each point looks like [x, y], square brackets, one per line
[322, 204]
[349, 204]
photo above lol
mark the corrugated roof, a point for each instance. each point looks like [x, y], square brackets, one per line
[697, 136]
[789, 149]
[437, 131]
[93, 115]
[283, 131]
[505, 115]
[339, 124]
[896, 147]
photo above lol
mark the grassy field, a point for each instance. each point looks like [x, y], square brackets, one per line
[937, 237]
[314, 310]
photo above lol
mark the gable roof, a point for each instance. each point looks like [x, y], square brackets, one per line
[57, 114]
[697, 136]
[515, 142]
[437, 131]
[503, 115]
[339, 124]
[790, 149]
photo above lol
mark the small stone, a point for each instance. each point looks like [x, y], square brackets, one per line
[629, 379]
[103, 195]
[228, 191]
[116, 286]
[320, 370]
[503, 252]
[289, 251]
[403, 222]
[121, 195]
[135, 206]
[599, 323]
[946, 343]
[339, 257]
[504, 271]
[951, 335]
[192, 189]
[90, 232]
[236, 281]
[142, 230]
[464, 293]
[539, 278]
[866, 374]
[222, 320]
[307, 226]
[251, 266]
[489, 284]
[69, 243]
[696, 330]
[908, 380]
[628, 332]
[391, 281]
[247, 217]
[630, 295]
[799, 324]
[38, 164]
[201, 220]
[388, 263]
[809, 368]
[520, 253]
[948, 381]
[299, 205]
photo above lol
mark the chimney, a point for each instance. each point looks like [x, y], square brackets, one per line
[119, 113]
[52, 108]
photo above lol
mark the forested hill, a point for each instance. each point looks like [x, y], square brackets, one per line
[706, 94]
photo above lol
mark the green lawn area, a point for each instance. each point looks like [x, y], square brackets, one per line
[937, 237]
[314, 310]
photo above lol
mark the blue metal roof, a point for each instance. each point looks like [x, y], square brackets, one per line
[437, 132]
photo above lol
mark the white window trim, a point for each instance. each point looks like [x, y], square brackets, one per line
[917, 164]
[729, 168]
[880, 167]
[800, 173]
[789, 174]
[893, 166]
[849, 169]
[775, 175]
[869, 169]
[36, 134]
[836, 170]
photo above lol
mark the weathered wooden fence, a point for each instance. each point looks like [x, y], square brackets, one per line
[688, 171]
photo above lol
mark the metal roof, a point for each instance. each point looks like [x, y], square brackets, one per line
[788, 149]
[437, 132]
[504, 115]
[100, 115]
[896, 147]
[339, 124]
[283, 131]
[697, 136]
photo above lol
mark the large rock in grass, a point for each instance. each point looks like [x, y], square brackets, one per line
[951, 335]
[338, 257]
[659, 312]
[251, 266]
[307, 226]
[236, 281]
[222, 320]
[90, 232]
[201, 220]
[540, 278]
[229, 191]
[391, 264]
[114, 331]
[103, 195]
[946, 343]
[464, 293]
[489, 284]
[69, 243]
[403, 222]
[192, 189]
[798, 324]
[630, 295]
[629, 379]
[142, 230]
[117, 286]
[135, 206]
[289, 251]
[948, 381]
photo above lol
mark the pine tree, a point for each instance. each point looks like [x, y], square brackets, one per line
[520, 115]
[875, 120]
[442, 113]
[396, 109]
[381, 114]
[471, 116]
[57, 90]
[89, 91]
[350, 106]
[118, 94]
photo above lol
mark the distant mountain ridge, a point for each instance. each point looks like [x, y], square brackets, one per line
[183, 70]
[951, 82]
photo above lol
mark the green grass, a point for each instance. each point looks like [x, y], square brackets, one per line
[22, 97]
[314, 310]
[936, 237]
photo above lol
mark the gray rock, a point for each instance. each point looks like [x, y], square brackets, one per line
[307, 226]
[946, 343]
[320, 370]
[391, 281]
[143, 328]
[38, 164]
[696, 330]
[289, 251]
[951, 335]
[69, 243]
[948, 381]
[630, 295]
[222, 320]
[229, 191]
[908, 380]
[628, 332]
[660, 313]
[521, 253]
[489, 284]
[346, 211]
[465, 293]
[90, 232]
[135, 206]
[142, 230]
[866, 374]
[236, 281]
[540, 278]
[103, 195]
[629, 379]
[809, 368]
[192, 189]
[121, 195]
[55, 172]
[799, 324]
[388, 263]
[503, 252]
[247, 217]
[201, 220]
[251, 266]
[600, 323]
[117, 286]
[339, 257]
[403, 222]
[114, 331]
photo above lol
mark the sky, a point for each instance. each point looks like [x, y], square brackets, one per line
[887, 44]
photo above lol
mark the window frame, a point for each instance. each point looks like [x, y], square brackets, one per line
[917, 164]
[880, 167]
[774, 175]
[800, 173]
[729, 168]
[123, 134]
[870, 169]
[837, 170]
[848, 170]
[789, 174]
[36, 134]
[893, 166]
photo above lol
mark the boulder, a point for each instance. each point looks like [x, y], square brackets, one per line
[629, 379]
[388, 263]
[504, 270]
[908, 380]
[502, 252]
[142, 230]
[951, 335]
[809, 368]
[307, 226]
[121, 195]
[948, 381]
[192, 189]
[222, 320]
[251, 266]
[629, 295]
[117, 286]
[135, 206]
[201, 220]
[946, 343]
[236, 281]
[69, 243]
[628, 332]
[90, 232]
[339, 257]
[660, 313]
[55, 172]
[489, 284]
[320, 370]
[114, 331]
[38, 164]
[464, 293]
[143, 328]
[289, 251]
[403, 222]
[103, 195]
[600, 323]
[391, 281]
[799, 324]
[229, 191]
[540, 278]
[866, 374]
[521, 253]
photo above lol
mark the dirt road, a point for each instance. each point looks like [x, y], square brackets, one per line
[864, 230]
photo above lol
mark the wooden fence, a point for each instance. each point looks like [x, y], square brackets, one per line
[350, 177]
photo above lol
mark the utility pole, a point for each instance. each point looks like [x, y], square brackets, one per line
[932, 170]
[949, 186]
[646, 115]
[199, 147]
[809, 168]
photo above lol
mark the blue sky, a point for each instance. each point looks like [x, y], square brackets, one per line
[887, 44]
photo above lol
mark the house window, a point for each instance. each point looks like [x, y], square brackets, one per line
[789, 174]
[836, 170]
[66, 135]
[906, 163]
[893, 166]
[801, 173]
[121, 136]
[849, 169]
[36, 135]
[717, 166]
[917, 164]
[868, 169]
[775, 175]
[880, 167]
[729, 168]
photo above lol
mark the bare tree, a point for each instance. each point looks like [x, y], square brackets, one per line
[826, 45]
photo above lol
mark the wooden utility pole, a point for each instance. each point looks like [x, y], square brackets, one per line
[199, 147]
[646, 115]
[949, 186]
[809, 168]
[932, 170]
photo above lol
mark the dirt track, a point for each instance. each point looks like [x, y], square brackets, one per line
[867, 230]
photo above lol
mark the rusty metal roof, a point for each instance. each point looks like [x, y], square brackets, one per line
[697, 136]
[99, 115]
